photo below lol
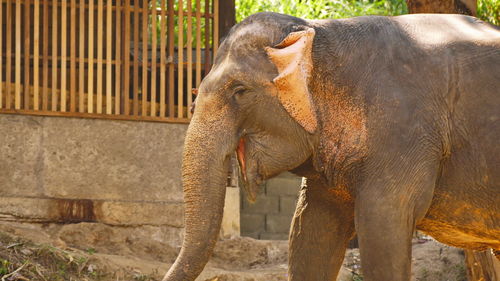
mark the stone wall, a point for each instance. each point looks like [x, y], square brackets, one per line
[270, 216]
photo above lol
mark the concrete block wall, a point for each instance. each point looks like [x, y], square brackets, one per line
[270, 216]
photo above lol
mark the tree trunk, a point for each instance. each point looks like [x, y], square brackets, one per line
[466, 7]
[482, 266]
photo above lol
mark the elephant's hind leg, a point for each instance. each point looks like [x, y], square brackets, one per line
[321, 230]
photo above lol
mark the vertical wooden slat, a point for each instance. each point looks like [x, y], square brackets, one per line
[64, 10]
[163, 59]
[170, 60]
[118, 57]
[8, 54]
[207, 36]
[54, 46]
[216, 26]
[99, 55]
[136, 59]
[81, 61]
[1, 55]
[109, 42]
[189, 58]
[45, 58]
[144, 90]
[126, 59]
[180, 60]
[36, 52]
[17, 66]
[90, 82]
[153, 60]
[198, 43]
[72, 63]
[27, 43]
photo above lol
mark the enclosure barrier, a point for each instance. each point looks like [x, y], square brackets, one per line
[118, 59]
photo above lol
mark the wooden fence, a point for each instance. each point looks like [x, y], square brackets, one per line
[119, 59]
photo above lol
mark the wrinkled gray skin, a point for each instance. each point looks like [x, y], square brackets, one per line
[408, 137]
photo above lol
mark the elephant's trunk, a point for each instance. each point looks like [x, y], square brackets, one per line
[207, 149]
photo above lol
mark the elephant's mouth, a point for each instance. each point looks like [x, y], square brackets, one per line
[240, 152]
[251, 181]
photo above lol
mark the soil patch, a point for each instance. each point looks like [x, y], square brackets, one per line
[34, 253]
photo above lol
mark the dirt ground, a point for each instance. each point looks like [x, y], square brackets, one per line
[27, 253]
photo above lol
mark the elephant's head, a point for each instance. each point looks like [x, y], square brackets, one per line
[255, 101]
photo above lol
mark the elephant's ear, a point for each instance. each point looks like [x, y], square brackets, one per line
[292, 57]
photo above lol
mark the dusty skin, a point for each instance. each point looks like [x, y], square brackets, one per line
[394, 121]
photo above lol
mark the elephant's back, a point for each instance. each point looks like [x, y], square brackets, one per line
[434, 30]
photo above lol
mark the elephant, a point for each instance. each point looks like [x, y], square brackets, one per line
[393, 121]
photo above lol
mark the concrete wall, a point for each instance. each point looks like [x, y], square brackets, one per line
[270, 216]
[115, 172]
[114, 179]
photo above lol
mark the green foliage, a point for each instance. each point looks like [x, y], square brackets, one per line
[194, 22]
[489, 10]
[321, 9]
[90, 251]
[4, 267]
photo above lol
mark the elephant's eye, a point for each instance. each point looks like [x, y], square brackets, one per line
[239, 91]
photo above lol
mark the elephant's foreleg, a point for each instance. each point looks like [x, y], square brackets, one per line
[387, 207]
[384, 236]
[320, 232]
